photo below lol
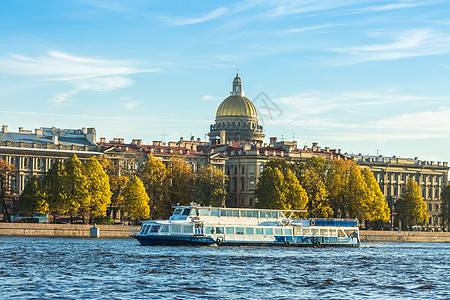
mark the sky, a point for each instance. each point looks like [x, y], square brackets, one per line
[369, 77]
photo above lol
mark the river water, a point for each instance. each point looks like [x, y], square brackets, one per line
[66, 268]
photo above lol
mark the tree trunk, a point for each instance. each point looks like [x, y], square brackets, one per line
[5, 209]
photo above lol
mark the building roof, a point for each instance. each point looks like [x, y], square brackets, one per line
[78, 140]
[236, 106]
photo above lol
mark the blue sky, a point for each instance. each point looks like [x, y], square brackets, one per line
[364, 76]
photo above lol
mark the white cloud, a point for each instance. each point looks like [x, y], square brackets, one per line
[217, 13]
[403, 44]
[81, 72]
[393, 6]
[208, 98]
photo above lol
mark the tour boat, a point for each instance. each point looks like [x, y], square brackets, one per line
[197, 225]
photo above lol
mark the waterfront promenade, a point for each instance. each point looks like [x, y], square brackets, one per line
[120, 231]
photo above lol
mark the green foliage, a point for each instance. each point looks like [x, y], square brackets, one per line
[54, 189]
[98, 187]
[32, 199]
[209, 186]
[136, 200]
[75, 186]
[445, 207]
[412, 210]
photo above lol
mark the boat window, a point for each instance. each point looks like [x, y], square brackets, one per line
[144, 229]
[223, 213]
[209, 230]
[239, 230]
[219, 230]
[214, 212]
[287, 231]
[165, 228]
[177, 211]
[268, 231]
[275, 214]
[176, 228]
[186, 212]
[249, 230]
[155, 228]
[203, 212]
[264, 214]
[229, 230]
[243, 213]
[188, 229]
[252, 213]
[278, 231]
[233, 213]
[258, 230]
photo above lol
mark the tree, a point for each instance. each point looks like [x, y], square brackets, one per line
[98, 188]
[279, 188]
[76, 187]
[412, 210]
[54, 190]
[209, 186]
[179, 182]
[7, 173]
[136, 200]
[318, 202]
[32, 199]
[153, 174]
[445, 207]
[377, 209]
[117, 184]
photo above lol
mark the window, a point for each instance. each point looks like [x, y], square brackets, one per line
[165, 228]
[249, 230]
[177, 211]
[239, 230]
[155, 228]
[186, 212]
[251, 185]
[214, 212]
[229, 230]
[188, 229]
[268, 231]
[176, 228]
[243, 170]
[219, 230]
[203, 212]
[259, 230]
[287, 231]
[209, 230]
[242, 185]
[278, 231]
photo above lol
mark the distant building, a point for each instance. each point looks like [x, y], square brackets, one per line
[33, 152]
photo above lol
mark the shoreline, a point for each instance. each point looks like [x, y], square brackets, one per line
[124, 231]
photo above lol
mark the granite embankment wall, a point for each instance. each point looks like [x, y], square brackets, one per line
[120, 231]
[65, 230]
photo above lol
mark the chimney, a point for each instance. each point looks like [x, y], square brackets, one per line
[20, 129]
[327, 149]
[91, 135]
[138, 143]
[102, 140]
[38, 131]
[61, 132]
[5, 128]
[84, 130]
[273, 140]
[55, 139]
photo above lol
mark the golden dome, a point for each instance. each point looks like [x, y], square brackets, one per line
[236, 106]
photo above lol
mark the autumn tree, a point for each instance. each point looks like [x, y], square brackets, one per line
[75, 187]
[7, 173]
[136, 200]
[54, 190]
[117, 183]
[412, 210]
[99, 192]
[337, 182]
[32, 199]
[376, 208]
[445, 207]
[153, 174]
[279, 188]
[179, 182]
[209, 186]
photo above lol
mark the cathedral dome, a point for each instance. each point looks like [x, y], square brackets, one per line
[236, 106]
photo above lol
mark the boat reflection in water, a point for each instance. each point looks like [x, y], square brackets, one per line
[197, 225]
